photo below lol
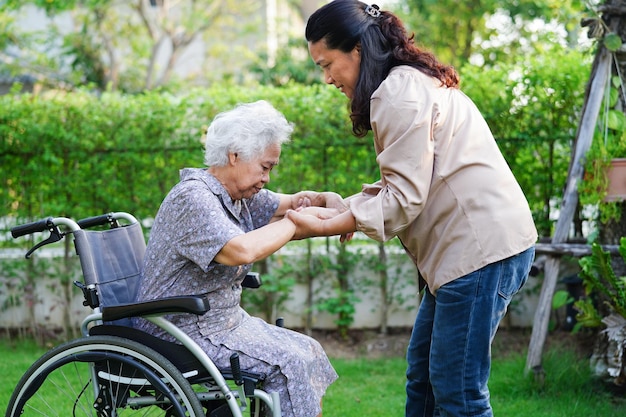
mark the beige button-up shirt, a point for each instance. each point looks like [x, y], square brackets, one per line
[445, 189]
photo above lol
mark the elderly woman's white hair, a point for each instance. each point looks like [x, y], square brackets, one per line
[248, 130]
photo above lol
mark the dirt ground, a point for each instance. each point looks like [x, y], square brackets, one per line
[364, 343]
[371, 344]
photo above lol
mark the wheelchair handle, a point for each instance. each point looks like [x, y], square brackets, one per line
[30, 228]
[109, 218]
[50, 224]
[95, 221]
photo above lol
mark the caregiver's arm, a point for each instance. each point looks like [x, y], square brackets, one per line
[306, 199]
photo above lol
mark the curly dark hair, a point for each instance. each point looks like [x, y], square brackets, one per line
[384, 42]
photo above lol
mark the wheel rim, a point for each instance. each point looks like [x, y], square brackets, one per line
[129, 383]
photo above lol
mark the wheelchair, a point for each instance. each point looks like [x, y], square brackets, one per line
[116, 370]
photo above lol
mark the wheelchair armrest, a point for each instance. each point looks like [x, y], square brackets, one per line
[252, 280]
[194, 304]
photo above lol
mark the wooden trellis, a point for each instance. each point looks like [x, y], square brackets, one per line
[614, 12]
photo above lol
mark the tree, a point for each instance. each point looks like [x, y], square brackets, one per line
[460, 31]
[120, 44]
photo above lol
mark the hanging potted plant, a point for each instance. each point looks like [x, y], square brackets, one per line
[605, 161]
[616, 180]
[604, 182]
[615, 142]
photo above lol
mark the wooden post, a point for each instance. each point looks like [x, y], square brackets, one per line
[599, 79]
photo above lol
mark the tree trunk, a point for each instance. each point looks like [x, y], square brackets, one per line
[384, 285]
[310, 276]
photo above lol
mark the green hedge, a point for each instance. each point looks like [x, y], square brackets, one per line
[77, 155]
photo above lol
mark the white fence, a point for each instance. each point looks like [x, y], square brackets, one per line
[49, 299]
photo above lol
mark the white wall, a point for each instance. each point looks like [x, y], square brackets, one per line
[49, 305]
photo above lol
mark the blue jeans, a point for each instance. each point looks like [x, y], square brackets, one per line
[449, 354]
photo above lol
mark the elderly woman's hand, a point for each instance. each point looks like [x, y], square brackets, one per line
[314, 221]
[307, 222]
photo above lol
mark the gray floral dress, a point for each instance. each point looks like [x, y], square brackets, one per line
[194, 222]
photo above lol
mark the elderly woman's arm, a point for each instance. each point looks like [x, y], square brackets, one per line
[264, 241]
[256, 244]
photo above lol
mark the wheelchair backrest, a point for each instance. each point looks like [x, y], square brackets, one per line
[112, 261]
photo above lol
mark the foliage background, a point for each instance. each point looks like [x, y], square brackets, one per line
[78, 154]
[111, 134]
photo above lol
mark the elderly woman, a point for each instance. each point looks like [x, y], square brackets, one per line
[207, 233]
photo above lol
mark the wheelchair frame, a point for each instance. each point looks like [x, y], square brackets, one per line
[147, 376]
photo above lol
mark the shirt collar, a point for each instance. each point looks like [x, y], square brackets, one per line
[216, 187]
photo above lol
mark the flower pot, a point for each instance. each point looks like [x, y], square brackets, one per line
[616, 190]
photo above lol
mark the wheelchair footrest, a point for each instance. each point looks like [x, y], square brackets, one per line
[250, 380]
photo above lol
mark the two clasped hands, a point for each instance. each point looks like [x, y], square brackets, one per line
[334, 219]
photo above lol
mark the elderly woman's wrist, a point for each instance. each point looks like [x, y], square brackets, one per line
[291, 226]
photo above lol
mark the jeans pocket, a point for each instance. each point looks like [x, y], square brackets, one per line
[510, 285]
[515, 273]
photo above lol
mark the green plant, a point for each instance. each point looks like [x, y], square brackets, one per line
[343, 301]
[391, 280]
[603, 287]
[342, 304]
[605, 306]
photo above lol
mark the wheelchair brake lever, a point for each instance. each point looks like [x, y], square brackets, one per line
[55, 236]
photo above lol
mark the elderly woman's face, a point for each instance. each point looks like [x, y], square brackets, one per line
[251, 176]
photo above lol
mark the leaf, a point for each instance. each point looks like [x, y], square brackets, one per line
[612, 41]
[587, 314]
[561, 298]
[598, 275]
[616, 120]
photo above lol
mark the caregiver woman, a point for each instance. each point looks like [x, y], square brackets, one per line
[445, 191]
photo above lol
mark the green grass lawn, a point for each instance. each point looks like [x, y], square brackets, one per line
[375, 387]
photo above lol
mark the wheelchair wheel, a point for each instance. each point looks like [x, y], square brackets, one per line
[103, 376]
